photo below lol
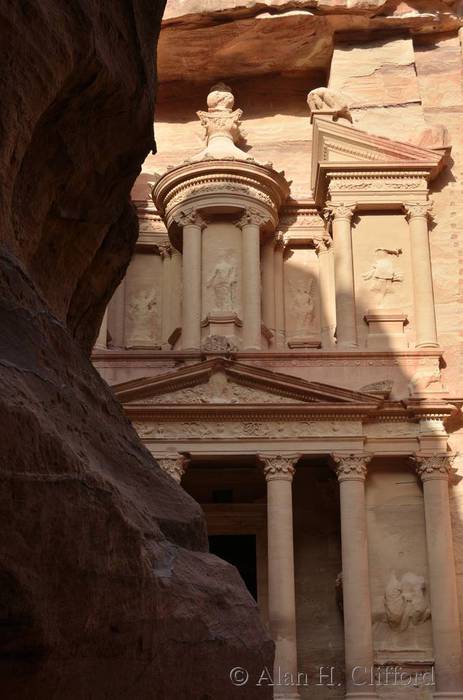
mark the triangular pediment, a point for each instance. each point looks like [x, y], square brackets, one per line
[345, 146]
[221, 381]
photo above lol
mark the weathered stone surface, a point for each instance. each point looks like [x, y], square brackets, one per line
[209, 40]
[106, 589]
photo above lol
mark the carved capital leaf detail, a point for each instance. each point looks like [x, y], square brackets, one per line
[437, 466]
[335, 211]
[322, 245]
[175, 465]
[279, 466]
[253, 217]
[190, 217]
[351, 467]
[414, 210]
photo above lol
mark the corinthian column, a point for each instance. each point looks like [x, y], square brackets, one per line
[346, 319]
[435, 471]
[193, 225]
[425, 318]
[358, 639]
[173, 464]
[279, 471]
[250, 224]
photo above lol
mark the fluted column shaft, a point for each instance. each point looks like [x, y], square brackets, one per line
[279, 471]
[434, 471]
[268, 285]
[346, 318]
[193, 225]
[425, 317]
[279, 260]
[358, 638]
[250, 224]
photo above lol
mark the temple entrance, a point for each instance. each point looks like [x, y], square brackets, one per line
[239, 550]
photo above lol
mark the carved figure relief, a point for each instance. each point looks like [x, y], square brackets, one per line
[302, 299]
[405, 601]
[382, 274]
[223, 282]
[143, 316]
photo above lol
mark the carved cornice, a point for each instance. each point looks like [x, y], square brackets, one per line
[418, 210]
[279, 467]
[351, 467]
[175, 465]
[436, 466]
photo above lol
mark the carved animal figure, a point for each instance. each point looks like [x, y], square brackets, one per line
[323, 99]
[405, 601]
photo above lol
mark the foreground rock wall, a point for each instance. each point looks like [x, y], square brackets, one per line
[105, 586]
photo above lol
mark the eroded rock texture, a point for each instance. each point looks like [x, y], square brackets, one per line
[105, 587]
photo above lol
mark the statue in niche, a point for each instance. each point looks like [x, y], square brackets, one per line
[382, 273]
[405, 601]
[142, 311]
[302, 300]
[222, 282]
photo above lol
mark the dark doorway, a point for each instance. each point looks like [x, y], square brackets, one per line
[239, 550]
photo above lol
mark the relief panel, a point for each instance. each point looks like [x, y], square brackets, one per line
[382, 270]
[302, 296]
[221, 274]
[143, 310]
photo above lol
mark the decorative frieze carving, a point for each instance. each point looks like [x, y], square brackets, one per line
[219, 344]
[405, 601]
[376, 182]
[272, 430]
[351, 467]
[279, 466]
[437, 466]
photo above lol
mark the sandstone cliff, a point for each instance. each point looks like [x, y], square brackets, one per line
[105, 586]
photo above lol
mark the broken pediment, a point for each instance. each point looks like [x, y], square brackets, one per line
[341, 147]
[222, 381]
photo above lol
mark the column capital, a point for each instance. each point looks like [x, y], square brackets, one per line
[418, 210]
[351, 467]
[280, 240]
[279, 466]
[165, 249]
[322, 245]
[253, 217]
[435, 466]
[174, 464]
[190, 217]
[338, 211]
